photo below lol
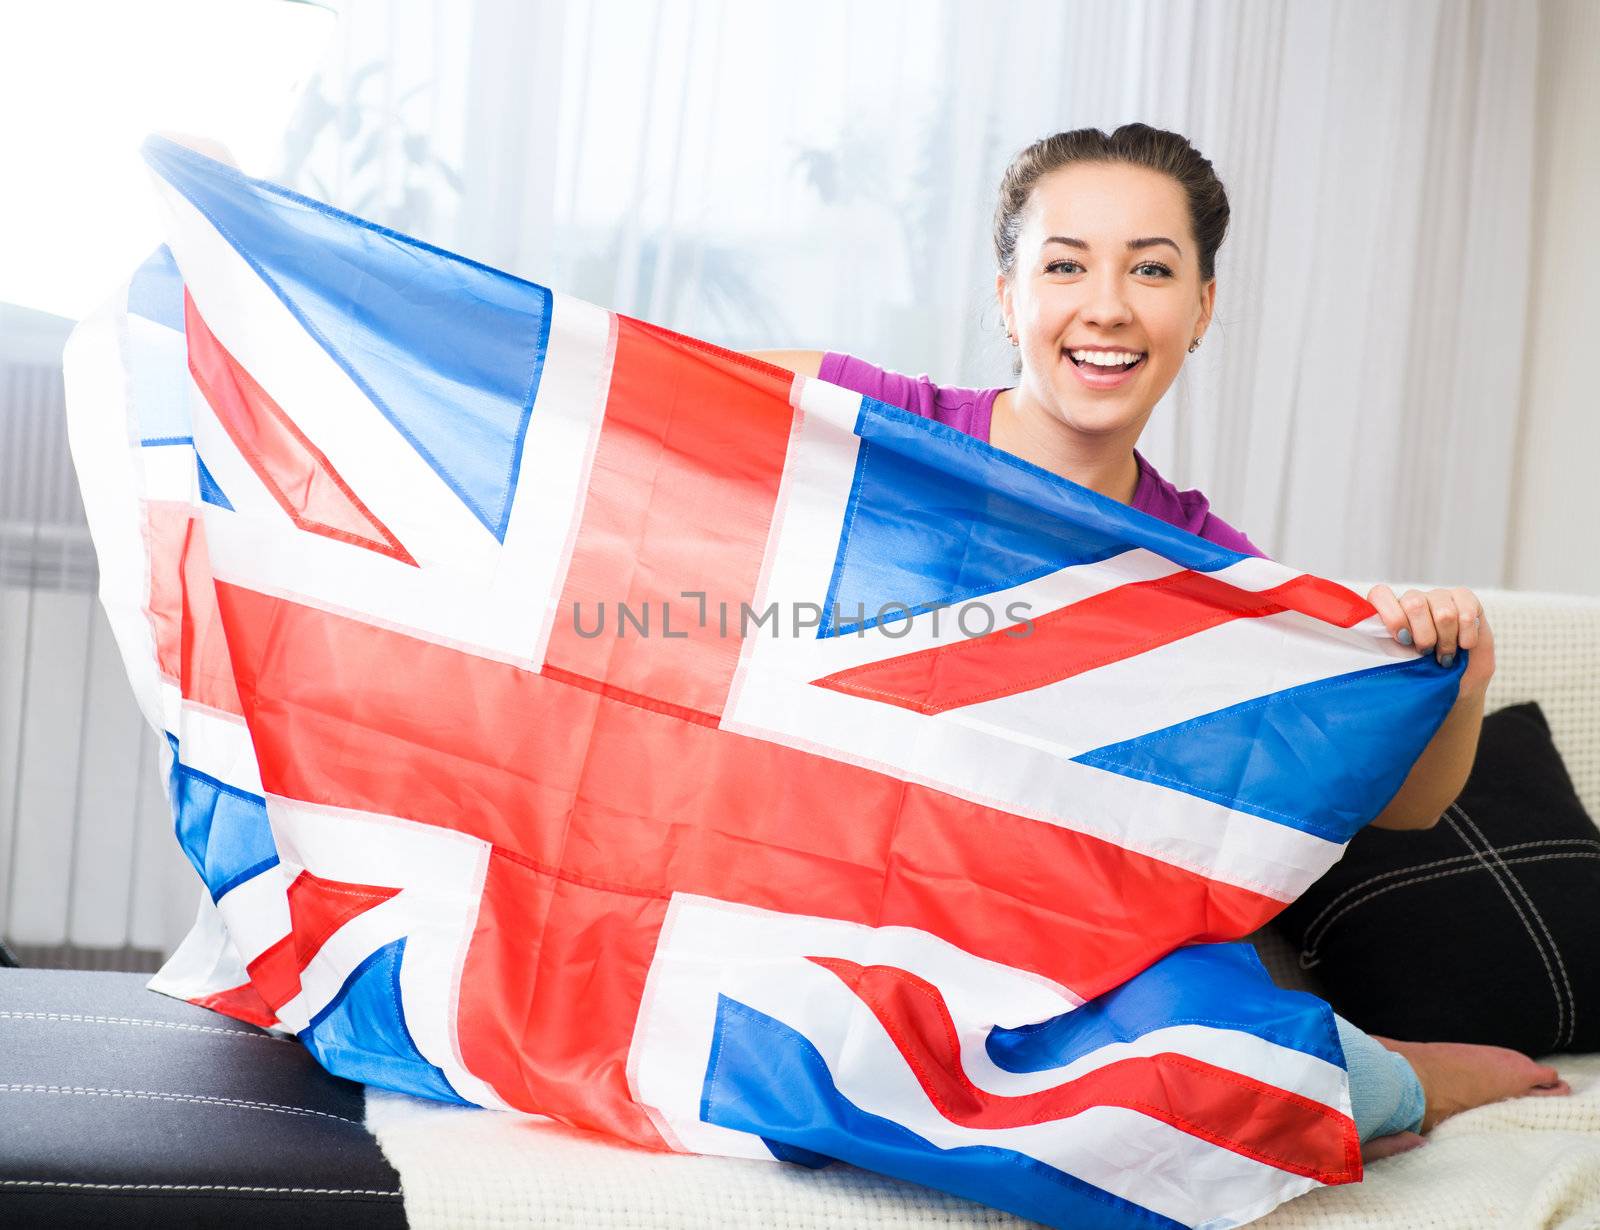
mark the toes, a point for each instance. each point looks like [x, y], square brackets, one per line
[1558, 1090]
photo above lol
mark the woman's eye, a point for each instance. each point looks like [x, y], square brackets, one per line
[1155, 268]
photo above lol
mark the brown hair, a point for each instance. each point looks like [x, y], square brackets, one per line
[1137, 145]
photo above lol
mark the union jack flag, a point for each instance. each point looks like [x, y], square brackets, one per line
[570, 716]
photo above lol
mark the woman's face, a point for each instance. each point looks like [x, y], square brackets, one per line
[1078, 285]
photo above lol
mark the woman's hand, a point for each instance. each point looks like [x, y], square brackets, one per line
[1441, 621]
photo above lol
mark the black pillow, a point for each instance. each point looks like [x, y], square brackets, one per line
[1484, 928]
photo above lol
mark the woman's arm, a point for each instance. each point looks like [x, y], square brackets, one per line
[806, 362]
[1440, 621]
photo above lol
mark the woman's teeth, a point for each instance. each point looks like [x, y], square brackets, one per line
[1112, 360]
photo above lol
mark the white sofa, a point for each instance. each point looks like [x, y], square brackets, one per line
[1528, 1163]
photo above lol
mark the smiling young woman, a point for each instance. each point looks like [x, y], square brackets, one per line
[1105, 249]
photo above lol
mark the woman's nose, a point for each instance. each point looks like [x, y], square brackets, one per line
[1106, 303]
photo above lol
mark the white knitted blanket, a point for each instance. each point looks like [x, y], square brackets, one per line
[1529, 1164]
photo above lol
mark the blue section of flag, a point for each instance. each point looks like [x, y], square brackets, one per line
[768, 1079]
[362, 1032]
[1324, 758]
[223, 830]
[935, 516]
[156, 292]
[209, 491]
[1220, 985]
[449, 350]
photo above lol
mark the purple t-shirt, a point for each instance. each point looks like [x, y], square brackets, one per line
[969, 410]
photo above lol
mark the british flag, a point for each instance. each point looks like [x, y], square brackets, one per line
[573, 717]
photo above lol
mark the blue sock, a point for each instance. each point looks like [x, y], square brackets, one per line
[1385, 1094]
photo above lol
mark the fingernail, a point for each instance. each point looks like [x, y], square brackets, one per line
[1447, 660]
[1404, 636]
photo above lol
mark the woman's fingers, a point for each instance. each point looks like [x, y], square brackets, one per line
[1446, 623]
[1419, 619]
[1390, 611]
[1436, 621]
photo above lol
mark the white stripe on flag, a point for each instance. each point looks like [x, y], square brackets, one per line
[557, 459]
[256, 910]
[101, 432]
[205, 963]
[216, 744]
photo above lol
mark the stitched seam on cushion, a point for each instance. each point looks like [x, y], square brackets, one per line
[201, 1187]
[85, 1019]
[1309, 946]
[1555, 951]
[1440, 862]
[198, 1098]
[1555, 987]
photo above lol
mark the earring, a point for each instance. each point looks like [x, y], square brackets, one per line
[1010, 338]
[1194, 345]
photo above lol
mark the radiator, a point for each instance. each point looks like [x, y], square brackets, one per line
[90, 873]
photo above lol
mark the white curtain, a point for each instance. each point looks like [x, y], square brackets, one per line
[763, 175]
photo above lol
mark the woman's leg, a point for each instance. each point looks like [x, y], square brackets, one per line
[1385, 1093]
[1398, 1089]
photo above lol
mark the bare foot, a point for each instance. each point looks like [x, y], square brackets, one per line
[1457, 1076]
[1388, 1146]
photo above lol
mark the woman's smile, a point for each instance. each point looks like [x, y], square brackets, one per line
[1095, 373]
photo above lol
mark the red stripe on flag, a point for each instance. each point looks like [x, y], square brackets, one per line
[242, 1002]
[708, 436]
[547, 1018]
[191, 648]
[296, 472]
[1237, 1112]
[1108, 627]
[600, 809]
[317, 908]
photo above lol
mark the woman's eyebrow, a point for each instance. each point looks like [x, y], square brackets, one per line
[1133, 244]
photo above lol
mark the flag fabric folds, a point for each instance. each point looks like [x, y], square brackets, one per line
[569, 716]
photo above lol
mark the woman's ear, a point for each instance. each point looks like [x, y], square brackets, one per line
[1002, 294]
[1208, 301]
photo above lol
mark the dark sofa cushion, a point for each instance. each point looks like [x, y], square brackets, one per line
[1484, 928]
[121, 1107]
